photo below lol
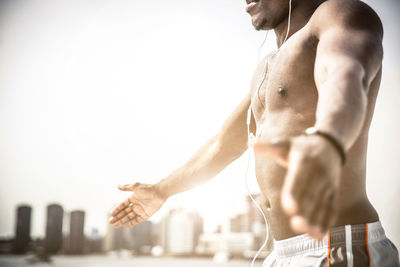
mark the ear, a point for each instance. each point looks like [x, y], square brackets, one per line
[277, 149]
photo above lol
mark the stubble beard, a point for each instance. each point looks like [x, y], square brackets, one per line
[260, 26]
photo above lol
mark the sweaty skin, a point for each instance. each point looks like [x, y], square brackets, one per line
[326, 75]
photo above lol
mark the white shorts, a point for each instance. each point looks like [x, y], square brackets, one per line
[350, 246]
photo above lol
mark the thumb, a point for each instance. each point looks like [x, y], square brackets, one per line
[128, 187]
[299, 224]
[277, 149]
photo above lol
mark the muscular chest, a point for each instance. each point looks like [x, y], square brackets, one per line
[283, 84]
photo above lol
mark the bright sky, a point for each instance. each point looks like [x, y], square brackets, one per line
[99, 93]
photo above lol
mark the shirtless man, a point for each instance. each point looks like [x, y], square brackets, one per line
[324, 78]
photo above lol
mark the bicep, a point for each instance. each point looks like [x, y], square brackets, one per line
[233, 135]
[348, 54]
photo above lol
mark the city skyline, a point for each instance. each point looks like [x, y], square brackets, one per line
[64, 214]
[179, 233]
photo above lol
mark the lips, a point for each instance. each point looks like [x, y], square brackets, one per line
[251, 1]
[251, 4]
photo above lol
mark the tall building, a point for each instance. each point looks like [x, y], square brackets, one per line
[257, 224]
[114, 238]
[23, 229]
[180, 232]
[54, 238]
[76, 235]
[252, 222]
[198, 229]
[118, 238]
[108, 237]
[139, 237]
[94, 242]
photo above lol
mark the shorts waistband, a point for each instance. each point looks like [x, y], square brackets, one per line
[336, 237]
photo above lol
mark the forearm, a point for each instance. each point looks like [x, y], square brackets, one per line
[212, 157]
[207, 162]
[342, 104]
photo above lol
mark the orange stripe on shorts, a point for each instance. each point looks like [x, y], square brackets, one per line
[329, 248]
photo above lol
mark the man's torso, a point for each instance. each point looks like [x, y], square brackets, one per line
[285, 104]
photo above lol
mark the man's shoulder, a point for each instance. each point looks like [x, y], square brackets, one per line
[345, 15]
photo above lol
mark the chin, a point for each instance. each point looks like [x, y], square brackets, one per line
[259, 24]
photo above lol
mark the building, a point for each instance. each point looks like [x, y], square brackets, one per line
[180, 232]
[94, 242]
[198, 229]
[6, 245]
[114, 238]
[54, 238]
[239, 223]
[76, 235]
[245, 237]
[234, 244]
[257, 224]
[139, 238]
[23, 229]
[252, 222]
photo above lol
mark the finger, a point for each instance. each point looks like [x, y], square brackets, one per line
[331, 216]
[321, 217]
[134, 222]
[122, 218]
[120, 207]
[132, 210]
[138, 209]
[128, 187]
[130, 224]
[134, 205]
[277, 149]
[316, 233]
[313, 198]
[125, 212]
[315, 216]
[117, 224]
[129, 216]
[301, 175]
[139, 219]
[118, 218]
[127, 208]
[319, 203]
[299, 224]
[296, 181]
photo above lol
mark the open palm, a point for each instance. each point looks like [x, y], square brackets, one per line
[142, 204]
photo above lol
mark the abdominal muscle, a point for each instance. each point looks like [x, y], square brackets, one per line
[353, 205]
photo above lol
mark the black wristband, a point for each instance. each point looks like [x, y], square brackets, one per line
[331, 139]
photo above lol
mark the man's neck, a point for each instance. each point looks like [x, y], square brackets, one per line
[300, 14]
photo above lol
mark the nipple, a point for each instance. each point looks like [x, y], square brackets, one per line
[282, 91]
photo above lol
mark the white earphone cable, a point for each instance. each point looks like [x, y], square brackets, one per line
[250, 140]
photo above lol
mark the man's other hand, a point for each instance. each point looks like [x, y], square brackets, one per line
[142, 204]
[312, 180]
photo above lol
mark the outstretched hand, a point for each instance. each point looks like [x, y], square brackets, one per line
[312, 181]
[142, 204]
